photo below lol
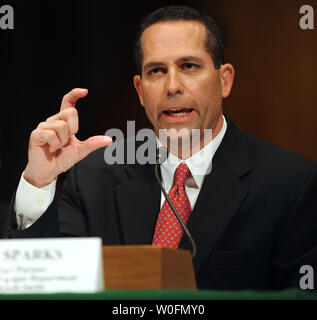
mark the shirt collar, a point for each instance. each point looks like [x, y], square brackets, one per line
[199, 163]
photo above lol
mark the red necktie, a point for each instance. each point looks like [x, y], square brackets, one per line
[168, 231]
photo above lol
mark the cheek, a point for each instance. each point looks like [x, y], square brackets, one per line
[150, 92]
[150, 99]
[204, 91]
[152, 95]
[211, 89]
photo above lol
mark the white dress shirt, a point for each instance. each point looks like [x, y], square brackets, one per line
[31, 202]
[199, 165]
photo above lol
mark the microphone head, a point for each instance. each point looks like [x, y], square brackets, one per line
[161, 155]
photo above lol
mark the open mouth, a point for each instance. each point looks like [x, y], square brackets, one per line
[178, 112]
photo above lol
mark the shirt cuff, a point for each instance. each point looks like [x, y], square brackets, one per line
[31, 202]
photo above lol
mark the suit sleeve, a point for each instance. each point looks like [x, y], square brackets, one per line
[64, 217]
[297, 245]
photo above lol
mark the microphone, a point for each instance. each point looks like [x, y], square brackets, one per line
[161, 156]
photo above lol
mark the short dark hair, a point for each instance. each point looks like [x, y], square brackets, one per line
[214, 39]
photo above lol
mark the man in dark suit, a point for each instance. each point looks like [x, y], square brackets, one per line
[253, 217]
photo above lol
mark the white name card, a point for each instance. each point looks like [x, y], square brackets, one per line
[51, 265]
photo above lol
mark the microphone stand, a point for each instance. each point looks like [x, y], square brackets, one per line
[159, 161]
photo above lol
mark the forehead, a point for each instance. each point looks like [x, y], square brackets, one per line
[172, 39]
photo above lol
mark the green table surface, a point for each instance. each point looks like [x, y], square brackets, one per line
[290, 294]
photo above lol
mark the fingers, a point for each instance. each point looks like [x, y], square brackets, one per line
[92, 144]
[57, 130]
[42, 137]
[68, 111]
[60, 128]
[71, 97]
[70, 116]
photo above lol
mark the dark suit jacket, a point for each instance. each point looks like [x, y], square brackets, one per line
[255, 220]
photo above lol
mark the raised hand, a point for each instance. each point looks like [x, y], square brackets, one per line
[53, 146]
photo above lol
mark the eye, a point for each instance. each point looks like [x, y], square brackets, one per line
[154, 72]
[190, 66]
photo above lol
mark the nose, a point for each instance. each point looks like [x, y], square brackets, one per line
[173, 84]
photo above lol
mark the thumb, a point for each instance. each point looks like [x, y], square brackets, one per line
[92, 144]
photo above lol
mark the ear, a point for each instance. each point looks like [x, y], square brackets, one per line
[227, 76]
[138, 87]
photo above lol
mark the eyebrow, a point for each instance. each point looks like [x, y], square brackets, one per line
[190, 59]
[155, 64]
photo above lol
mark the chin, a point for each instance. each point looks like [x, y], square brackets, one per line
[176, 134]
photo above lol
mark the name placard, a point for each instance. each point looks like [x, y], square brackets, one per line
[51, 265]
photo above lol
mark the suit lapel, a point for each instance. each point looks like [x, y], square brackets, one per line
[138, 202]
[221, 195]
